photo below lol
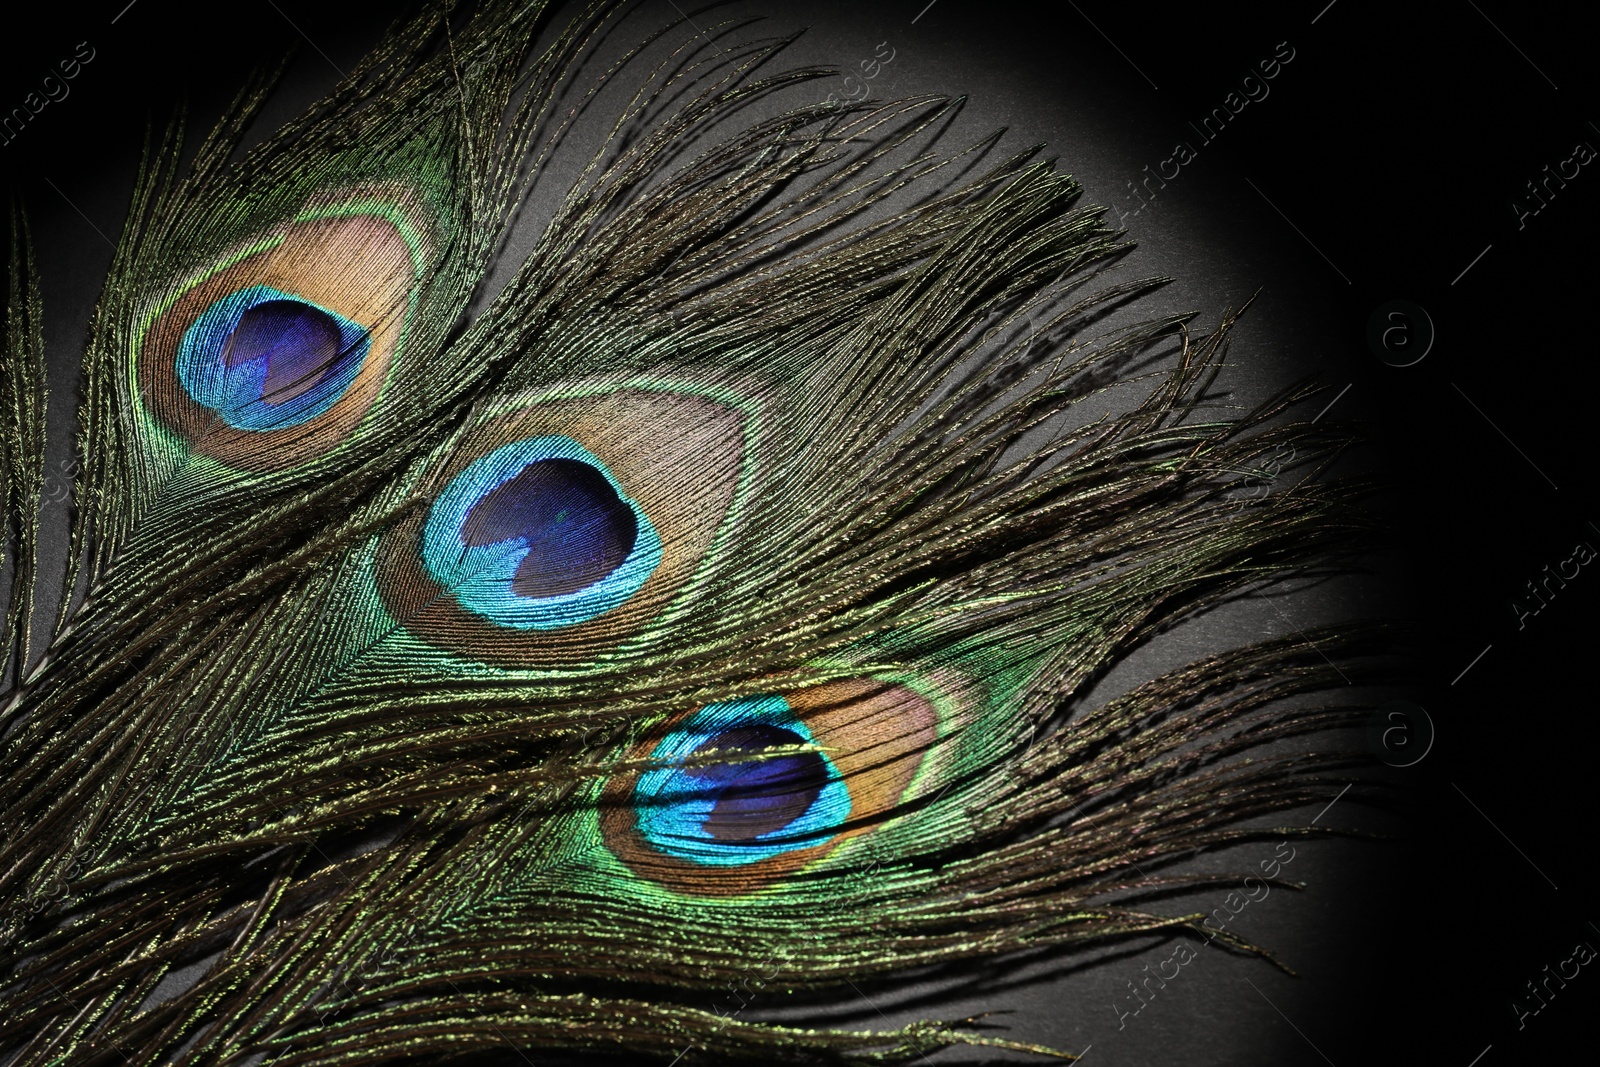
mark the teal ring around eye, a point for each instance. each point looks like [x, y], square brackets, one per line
[673, 809]
[480, 577]
[237, 388]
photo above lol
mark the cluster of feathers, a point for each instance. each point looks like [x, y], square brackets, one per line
[436, 669]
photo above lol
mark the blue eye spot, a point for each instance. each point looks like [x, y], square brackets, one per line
[538, 535]
[265, 360]
[735, 809]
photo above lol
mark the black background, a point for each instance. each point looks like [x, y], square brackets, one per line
[1382, 164]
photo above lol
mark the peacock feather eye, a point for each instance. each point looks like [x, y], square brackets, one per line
[733, 796]
[538, 535]
[558, 528]
[720, 800]
[262, 359]
[273, 356]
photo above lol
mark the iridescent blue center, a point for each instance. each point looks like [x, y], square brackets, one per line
[736, 807]
[538, 535]
[264, 360]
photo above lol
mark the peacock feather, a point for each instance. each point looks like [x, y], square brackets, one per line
[440, 665]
